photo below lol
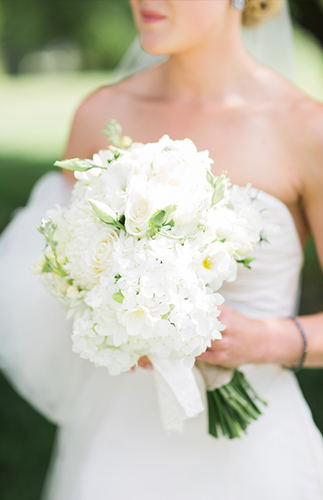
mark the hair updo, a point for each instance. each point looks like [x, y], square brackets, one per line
[258, 11]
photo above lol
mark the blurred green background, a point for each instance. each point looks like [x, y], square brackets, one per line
[52, 53]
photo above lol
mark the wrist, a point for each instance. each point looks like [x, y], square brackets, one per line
[282, 342]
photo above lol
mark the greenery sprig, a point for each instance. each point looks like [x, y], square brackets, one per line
[113, 131]
[218, 185]
[161, 222]
[53, 262]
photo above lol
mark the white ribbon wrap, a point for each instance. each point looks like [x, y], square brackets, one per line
[178, 393]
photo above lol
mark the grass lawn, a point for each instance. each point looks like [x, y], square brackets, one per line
[37, 110]
[36, 113]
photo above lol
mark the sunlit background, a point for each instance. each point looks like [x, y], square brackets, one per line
[53, 53]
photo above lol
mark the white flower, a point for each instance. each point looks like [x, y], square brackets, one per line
[138, 211]
[97, 256]
[72, 292]
[38, 267]
[139, 322]
[61, 284]
[216, 265]
[130, 296]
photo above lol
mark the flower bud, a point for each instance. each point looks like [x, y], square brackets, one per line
[72, 292]
[36, 269]
[126, 141]
[61, 259]
[50, 256]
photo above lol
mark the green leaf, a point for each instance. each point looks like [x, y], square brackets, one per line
[103, 211]
[246, 262]
[210, 178]
[47, 268]
[118, 297]
[218, 193]
[150, 233]
[157, 219]
[163, 217]
[77, 165]
[220, 179]
[169, 214]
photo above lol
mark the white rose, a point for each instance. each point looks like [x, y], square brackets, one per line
[98, 255]
[138, 211]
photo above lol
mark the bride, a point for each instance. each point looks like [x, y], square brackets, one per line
[261, 129]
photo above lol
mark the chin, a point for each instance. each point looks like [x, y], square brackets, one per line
[153, 45]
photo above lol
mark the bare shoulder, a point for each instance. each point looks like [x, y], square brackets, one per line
[88, 121]
[305, 115]
[307, 137]
[299, 120]
[114, 101]
[305, 140]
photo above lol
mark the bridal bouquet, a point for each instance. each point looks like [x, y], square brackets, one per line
[138, 257]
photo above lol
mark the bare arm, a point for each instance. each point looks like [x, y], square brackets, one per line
[279, 340]
[313, 204]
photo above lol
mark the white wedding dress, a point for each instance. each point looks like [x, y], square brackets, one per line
[111, 444]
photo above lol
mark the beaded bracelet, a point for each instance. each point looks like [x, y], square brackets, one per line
[297, 368]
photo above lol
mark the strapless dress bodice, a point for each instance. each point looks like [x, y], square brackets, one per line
[270, 288]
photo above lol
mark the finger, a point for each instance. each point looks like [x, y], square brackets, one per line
[144, 362]
[211, 357]
[219, 344]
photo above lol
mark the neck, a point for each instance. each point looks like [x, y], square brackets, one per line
[214, 70]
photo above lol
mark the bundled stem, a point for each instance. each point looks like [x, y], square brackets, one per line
[232, 407]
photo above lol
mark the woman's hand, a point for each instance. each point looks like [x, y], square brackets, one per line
[248, 340]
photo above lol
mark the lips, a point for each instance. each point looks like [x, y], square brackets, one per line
[151, 16]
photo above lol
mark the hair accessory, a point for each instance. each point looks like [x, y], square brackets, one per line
[297, 368]
[238, 5]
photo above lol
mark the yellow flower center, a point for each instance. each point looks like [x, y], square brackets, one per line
[207, 263]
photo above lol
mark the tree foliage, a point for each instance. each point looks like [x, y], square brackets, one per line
[101, 29]
[309, 14]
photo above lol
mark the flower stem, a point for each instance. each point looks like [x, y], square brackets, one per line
[232, 407]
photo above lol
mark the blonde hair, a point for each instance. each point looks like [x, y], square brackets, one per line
[258, 11]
